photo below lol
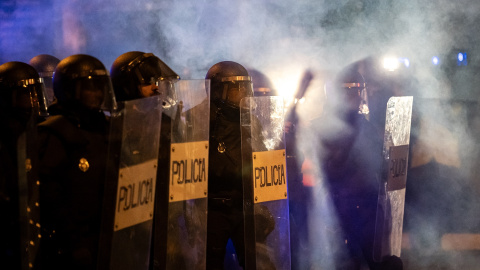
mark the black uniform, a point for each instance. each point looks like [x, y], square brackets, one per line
[225, 215]
[72, 172]
[229, 83]
[21, 104]
[10, 227]
[72, 153]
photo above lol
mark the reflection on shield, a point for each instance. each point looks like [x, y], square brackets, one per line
[130, 187]
[267, 229]
[391, 198]
[181, 207]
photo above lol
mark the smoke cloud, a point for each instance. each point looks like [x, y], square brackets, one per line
[283, 39]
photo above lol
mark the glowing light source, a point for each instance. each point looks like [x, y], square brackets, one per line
[286, 82]
[462, 59]
[289, 101]
[435, 60]
[390, 63]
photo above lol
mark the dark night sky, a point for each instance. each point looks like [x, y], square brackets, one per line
[265, 34]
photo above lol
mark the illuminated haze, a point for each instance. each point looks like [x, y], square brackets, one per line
[267, 35]
[279, 38]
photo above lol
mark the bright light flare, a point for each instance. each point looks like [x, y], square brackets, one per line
[435, 60]
[391, 63]
[286, 83]
[289, 101]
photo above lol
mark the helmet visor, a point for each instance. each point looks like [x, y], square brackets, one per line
[167, 89]
[235, 88]
[148, 66]
[31, 95]
[50, 96]
[358, 92]
[95, 92]
[236, 91]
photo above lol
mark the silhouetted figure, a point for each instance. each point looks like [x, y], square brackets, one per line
[230, 83]
[73, 149]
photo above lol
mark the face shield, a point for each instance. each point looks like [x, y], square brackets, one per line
[93, 89]
[153, 77]
[235, 88]
[149, 87]
[263, 91]
[357, 97]
[167, 88]
[29, 96]
[48, 82]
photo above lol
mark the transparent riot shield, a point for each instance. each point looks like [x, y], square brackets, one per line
[391, 199]
[28, 196]
[267, 229]
[181, 216]
[127, 219]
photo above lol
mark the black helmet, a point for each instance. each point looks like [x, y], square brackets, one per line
[45, 64]
[22, 89]
[83, 80]
[134, 69]
[229, 82]
[262, 86]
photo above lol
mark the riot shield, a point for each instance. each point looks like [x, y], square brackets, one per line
[267, 229]
[391, 198]
[181, 214]
[127, 219]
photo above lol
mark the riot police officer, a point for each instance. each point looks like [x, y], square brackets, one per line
[45, 64]
[351, 161]
[21, 103]
[230, 82]
[136, 75]
[73, 147]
